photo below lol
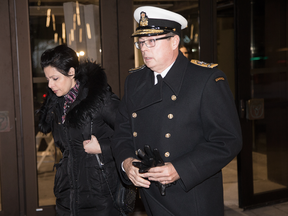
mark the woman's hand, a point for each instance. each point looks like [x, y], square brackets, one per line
[92, 146]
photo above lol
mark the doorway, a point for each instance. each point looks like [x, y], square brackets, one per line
[226, 63]
[261, 69]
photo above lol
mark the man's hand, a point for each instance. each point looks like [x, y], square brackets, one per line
[164, 174]
[148, 158]
[92, 146]
[134, 175]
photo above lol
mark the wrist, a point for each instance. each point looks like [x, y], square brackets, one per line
[126, 163]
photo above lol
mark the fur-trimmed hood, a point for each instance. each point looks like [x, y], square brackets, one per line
[93, 87]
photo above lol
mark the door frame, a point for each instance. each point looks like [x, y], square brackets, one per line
[18, 154]
[117, 58]
[23, 109]
[247, 199]
[8, 138]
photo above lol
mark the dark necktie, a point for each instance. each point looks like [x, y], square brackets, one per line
[159, 78]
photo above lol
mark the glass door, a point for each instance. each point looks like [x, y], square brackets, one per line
[268, 108]
[52, 23]
[264, 106]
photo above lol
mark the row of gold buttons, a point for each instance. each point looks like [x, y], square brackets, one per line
[167, 135]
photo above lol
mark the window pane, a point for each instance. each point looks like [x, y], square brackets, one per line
[269, 82]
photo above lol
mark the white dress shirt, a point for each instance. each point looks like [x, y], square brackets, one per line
[163, 74]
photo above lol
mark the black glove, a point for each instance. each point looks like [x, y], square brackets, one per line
[148, 158]
[151, 159]
[162, 187]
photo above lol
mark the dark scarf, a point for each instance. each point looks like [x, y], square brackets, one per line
[70, 97]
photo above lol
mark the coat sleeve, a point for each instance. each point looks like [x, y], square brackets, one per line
[108, 113]
[222, 134]
[123, 146]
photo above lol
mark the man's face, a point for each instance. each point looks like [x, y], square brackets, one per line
[162, 55]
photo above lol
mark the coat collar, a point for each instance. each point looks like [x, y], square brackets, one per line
[175, 76]
[147, 93]
[93, 86]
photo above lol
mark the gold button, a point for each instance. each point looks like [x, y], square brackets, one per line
[135, 134]
[168, 135]
[173, 97]
[170, 116]
[134, 115]
[167, 154]
[136, 152]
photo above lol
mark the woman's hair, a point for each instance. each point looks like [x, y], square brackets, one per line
[62, 58]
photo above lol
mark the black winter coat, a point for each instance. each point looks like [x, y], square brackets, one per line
[79, 187]
[191, 118]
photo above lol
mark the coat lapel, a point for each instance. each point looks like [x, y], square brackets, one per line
[175, 76]
[147, 93]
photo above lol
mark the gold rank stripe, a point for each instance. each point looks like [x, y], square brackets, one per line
[219, 78]
[203, 64]
[147, 31]
[132, 70]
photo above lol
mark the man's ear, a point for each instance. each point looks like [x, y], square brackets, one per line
[71, 72]
[175, 43]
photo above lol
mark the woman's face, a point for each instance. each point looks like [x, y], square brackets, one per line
[59, 83]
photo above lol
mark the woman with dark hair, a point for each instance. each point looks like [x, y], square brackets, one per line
[80, 111]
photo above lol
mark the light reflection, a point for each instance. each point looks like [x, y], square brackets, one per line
[81, 53]
[78, 13]
[63, 32]
[53, 21]
[72, 34]
[74, 21]
[88, 30]
[55, 37]
[80, 35]
[48, 17]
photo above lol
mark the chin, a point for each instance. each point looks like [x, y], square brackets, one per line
[59, 95]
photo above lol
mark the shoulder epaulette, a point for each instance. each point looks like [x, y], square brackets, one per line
[203, 64]
[132, 70]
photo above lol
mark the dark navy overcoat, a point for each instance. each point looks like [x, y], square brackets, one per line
[191, 118]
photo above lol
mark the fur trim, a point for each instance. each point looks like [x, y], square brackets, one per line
[92, 91]
[92, 79]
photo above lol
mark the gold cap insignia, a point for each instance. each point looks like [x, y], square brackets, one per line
[143, 19]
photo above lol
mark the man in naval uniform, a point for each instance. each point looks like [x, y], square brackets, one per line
[188, 114]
